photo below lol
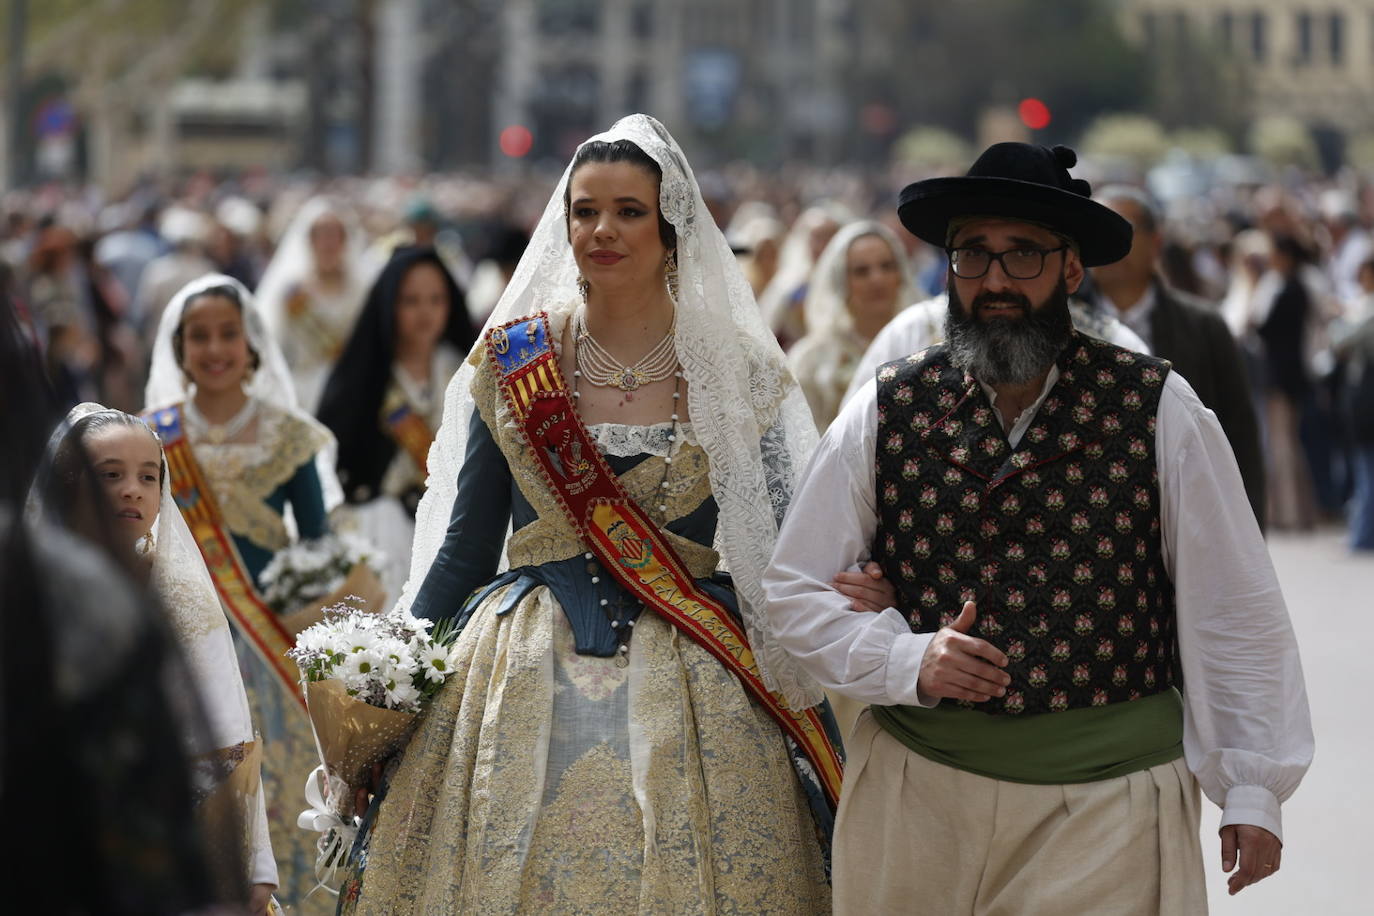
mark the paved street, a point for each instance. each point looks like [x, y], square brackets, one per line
[1326, 857]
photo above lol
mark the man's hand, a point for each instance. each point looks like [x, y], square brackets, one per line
[1259, 852]
[867, 589]
[957, 666]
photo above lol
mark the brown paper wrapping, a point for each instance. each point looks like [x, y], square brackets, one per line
[352, 735]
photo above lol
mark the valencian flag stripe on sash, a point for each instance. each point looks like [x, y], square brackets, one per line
[411, 433]
[254, 619]
[628, 544]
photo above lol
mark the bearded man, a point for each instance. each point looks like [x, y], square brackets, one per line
[1087, 625]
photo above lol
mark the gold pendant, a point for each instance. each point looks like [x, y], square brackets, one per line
[628, 379]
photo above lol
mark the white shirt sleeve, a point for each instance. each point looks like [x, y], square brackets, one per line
[1247, 730]
[874, 658]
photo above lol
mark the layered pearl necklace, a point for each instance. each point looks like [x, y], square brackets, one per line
[219, 433]
[600, 368]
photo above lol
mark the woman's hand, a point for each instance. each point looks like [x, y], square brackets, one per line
[867, 590]
[259, 897]
[362, 796]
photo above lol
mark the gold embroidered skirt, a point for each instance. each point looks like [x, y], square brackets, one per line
[543, 781]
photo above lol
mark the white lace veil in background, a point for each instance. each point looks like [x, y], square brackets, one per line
[746, 410]
[270, 383]
[827, 296]
[293, 261]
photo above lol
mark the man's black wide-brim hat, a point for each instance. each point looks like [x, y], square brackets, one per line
[1019, 181]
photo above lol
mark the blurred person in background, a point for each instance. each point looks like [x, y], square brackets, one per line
[859, 284]
[313, 289]
[1283, 335]
[220, 397]
[234, 236]
[1353, 342]
[1351, 245]
[1186, 331]
[759, 242]
[782, 302]
[492, 274]
[185, 231]
[385, 397]
[59, 300]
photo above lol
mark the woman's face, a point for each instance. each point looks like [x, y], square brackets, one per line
[214, 347]
[873, 277]
[327, 238]
[613, 226]
[128, 463]
[421, 308]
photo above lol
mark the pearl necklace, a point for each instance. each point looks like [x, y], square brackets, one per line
[603, 370]
[219, 433]
[622, 617]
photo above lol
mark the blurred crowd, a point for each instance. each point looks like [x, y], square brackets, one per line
[1288, 265]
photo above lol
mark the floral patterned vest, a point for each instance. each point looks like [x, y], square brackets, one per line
[1057, 540]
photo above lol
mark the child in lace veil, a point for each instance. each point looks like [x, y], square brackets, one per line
[218, 734]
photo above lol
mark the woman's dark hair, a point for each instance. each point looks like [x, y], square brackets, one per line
[620, 151]
[352, 402]
[224, 291]
[69, 487]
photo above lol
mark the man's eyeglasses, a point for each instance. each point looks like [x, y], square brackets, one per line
[1017, 263]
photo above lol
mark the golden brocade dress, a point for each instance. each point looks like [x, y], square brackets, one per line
[545, 779]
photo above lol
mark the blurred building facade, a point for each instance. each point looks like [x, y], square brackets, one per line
[1314, 62]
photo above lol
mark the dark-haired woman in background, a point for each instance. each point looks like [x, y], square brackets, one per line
[385, 397]
[241, 454]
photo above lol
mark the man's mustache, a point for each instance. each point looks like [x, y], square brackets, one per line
[983, 300]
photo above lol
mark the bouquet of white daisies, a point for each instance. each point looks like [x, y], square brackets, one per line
[323, 569]
[366, 678]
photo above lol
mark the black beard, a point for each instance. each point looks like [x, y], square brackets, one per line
[1008, 351]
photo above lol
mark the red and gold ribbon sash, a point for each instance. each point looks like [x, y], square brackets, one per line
[257, 622]
[626, 541]
[410, 431]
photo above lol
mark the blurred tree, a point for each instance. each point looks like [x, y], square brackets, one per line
[1282, 140]
[964, 57]
[932, 148]
[1202, 142]
[1138, 139]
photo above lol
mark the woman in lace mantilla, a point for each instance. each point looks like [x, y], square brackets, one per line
[385, 397]
[587, 757]
[269, 467]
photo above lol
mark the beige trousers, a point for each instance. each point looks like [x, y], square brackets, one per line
[916, 837]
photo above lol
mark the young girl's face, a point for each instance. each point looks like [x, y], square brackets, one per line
[128, 462]
[214, 346]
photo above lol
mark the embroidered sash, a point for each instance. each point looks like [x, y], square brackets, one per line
[191, 491]
[410, 432]
[628, 544]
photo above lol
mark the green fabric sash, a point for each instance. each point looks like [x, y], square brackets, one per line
[1078, 745]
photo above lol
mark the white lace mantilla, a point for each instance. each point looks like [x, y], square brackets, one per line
[622, 441]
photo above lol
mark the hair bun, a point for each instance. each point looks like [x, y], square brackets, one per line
[1064, 157]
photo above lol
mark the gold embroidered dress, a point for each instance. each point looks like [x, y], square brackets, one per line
[544, 778]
